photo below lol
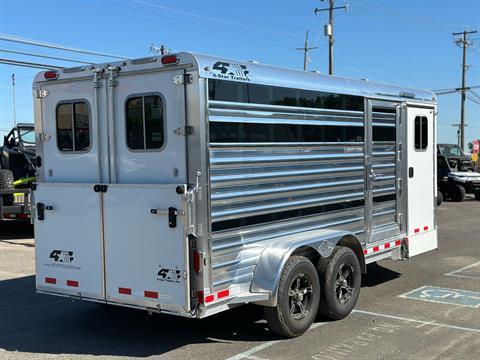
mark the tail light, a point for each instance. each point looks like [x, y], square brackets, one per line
[169, 59]
[50, 75]
[196, 261]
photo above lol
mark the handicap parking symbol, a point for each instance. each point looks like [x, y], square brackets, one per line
[445, 296]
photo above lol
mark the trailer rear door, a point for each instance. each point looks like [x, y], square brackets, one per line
[145, 244]
[422, 235]
[68, 251]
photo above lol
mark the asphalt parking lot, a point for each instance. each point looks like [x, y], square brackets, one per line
[407, 309]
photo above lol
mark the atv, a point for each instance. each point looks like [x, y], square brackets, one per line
[456, 175]
[17, 161]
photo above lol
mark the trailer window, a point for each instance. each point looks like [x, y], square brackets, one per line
[421, 133]
[223, 90]
[73, 126]
[144, 122]
[225, 132]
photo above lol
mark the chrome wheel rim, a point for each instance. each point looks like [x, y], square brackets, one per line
[300, 297]
[344, 285]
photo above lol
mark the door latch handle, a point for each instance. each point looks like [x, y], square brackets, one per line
[41, 207]
[410, 172]
[172, 215]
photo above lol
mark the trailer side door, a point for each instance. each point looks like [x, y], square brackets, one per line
[421, 172]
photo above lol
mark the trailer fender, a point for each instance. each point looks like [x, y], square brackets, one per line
[268, 270]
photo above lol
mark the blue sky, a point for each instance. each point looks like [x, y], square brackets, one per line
[406, 42]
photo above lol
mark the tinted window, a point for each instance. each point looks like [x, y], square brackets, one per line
[260, 219]
[384, 133]
[421, 132]
[144, 122]
[223, 90]
[224, 132]
[73, 126]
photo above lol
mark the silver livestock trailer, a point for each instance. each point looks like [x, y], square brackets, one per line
[190, 184]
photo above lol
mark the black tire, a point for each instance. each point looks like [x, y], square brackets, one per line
[298, 299]
[457, 193]
[339, 289]
[6, 183]
[439, 198]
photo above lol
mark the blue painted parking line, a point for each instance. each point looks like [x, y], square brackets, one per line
[445, 296]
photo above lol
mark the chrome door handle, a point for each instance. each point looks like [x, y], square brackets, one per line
[171, 212]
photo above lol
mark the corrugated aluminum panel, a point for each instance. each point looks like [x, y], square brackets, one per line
[250, 181]
[384, 163]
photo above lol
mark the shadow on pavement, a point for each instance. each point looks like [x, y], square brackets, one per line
[15, 230]
[46, 324]
[378, 274]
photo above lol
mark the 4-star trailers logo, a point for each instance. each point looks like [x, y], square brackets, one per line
[230, 71]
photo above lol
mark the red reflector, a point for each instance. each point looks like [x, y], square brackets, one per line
[417, 231]
[200, 297]
[169, 59]
[376, 248]
[151, 294]
[49, 280]
[425, 228]
[209, 298]
[125, 291]
[223, 293]
[50, 75]
[196, 261]
[397, 243]
[387, 245]
[72, 283]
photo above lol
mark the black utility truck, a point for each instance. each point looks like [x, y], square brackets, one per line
[456, 175]
[17, 172]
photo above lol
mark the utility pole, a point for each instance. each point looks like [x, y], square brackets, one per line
[329, 30]
[465, 43]
[14, 106]
[306, 49]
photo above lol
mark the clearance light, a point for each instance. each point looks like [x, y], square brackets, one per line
[169, 59]
[50, 75]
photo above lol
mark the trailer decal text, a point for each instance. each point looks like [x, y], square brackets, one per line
[224, 70]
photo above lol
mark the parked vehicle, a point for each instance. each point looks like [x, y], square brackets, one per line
[189, 184]
[17, 172]
[456, 175]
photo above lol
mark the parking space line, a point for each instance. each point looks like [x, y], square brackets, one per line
[432, 323]
[246, 354]
[456, 272]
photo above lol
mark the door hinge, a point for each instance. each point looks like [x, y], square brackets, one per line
[41, 93]
[182, 79]
[183, 130]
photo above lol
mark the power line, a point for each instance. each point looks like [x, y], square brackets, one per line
[471, 98]
[329, 30]
[210, 18]
[44, 56]
[29, 64]
[306, 49]
[464, 42]
[16, 39]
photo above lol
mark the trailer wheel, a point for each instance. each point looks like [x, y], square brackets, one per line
[6, 183]
[340, 281]
[298, 299]
[439, 198]
[457, 193]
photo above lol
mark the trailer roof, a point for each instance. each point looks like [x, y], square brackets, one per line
[271, 75]
[247, 71]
